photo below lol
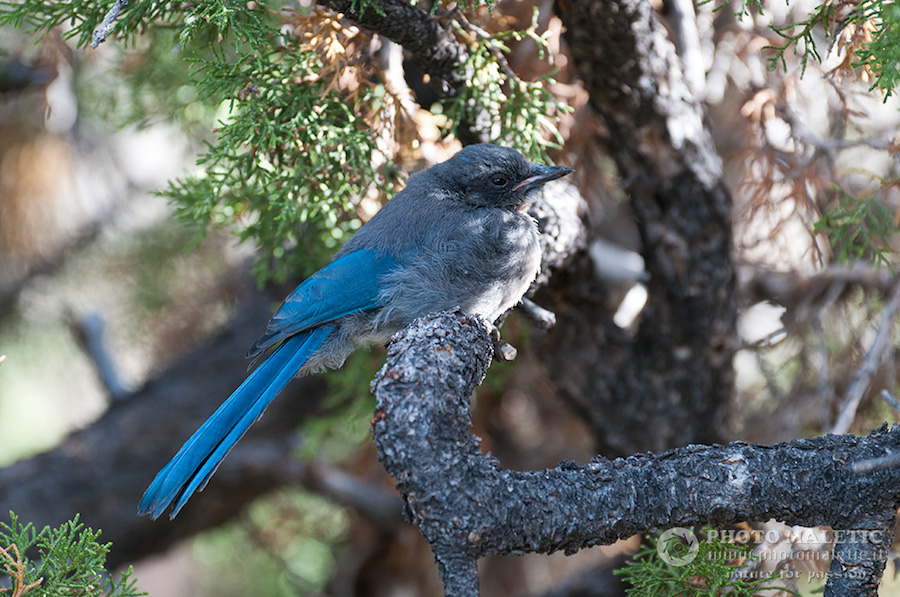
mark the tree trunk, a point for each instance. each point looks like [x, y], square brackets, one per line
[668, 383]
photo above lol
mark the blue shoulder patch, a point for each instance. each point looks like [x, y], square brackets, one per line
[349, 284]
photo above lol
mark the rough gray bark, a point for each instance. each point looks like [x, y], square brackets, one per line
[468, 507]
[431, 44]
[666, 385]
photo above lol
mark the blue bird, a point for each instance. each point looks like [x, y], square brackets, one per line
[458, 235]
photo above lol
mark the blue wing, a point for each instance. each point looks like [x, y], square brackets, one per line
[301, 325]
[349, 284]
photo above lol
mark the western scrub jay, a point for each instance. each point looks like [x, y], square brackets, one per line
[457, 235]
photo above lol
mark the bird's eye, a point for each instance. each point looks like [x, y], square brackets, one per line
[499, 182]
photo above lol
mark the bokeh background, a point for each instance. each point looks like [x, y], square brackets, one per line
[102, 289]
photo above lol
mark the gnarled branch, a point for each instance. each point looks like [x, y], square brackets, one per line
[468, 507]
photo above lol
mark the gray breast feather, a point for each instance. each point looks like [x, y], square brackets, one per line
[484, 265]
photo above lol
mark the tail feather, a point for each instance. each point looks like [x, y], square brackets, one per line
[201, 455]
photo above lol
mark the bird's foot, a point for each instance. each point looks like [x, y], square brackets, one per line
[503, 350]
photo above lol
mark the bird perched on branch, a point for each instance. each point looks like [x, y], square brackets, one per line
[456, 236]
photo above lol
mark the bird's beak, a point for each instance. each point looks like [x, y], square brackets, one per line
[541, 174]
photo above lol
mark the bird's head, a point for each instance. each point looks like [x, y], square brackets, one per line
[494, 176]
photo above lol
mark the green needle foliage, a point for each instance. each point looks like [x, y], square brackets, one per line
[291, 156]
[498, 104]
[801, 36]
[711, 573]
[859, 228]
[228, 19]
[302, 112]
[881, 56]
[57, 562]
[877, 51]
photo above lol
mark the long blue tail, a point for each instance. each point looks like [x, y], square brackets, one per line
[199, 457]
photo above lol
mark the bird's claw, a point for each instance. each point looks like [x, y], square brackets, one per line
[503, 350]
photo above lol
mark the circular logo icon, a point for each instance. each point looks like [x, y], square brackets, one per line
[678, 546]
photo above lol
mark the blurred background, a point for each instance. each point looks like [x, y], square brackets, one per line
[103, 293]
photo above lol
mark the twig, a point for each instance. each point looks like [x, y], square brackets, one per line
[687, 44]
[888, 460]
[802, 134]
[101, 32]
[771, 339]
[544, 319]
[16, 570]
[863, 377]
[380, 506]
[890, 399]
[824, 388]
[90, 334]
[796, 292]
[867, 466]
[491, 43]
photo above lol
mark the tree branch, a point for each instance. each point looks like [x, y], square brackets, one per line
[433, 46]
[102, 31]
[806, 296]
[863, 377]
[468, 507]
[90, 334]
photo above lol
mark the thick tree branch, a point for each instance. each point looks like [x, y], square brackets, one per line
[468, 507]
[433, 47]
